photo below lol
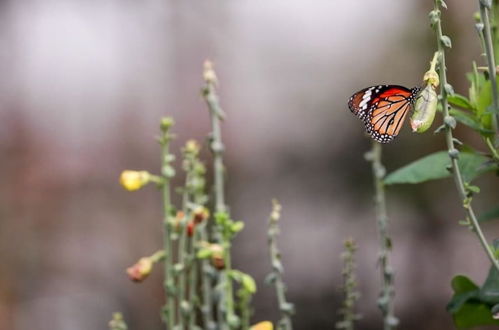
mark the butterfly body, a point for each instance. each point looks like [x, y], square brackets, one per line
[383, 109]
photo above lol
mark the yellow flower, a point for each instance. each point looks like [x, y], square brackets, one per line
[265, 325]
[134, 180]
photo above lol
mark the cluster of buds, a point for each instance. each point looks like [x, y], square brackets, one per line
[426, 103]
[199, 215]
[142, 268]
[213, 251]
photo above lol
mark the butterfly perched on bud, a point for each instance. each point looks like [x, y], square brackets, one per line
[383, 109]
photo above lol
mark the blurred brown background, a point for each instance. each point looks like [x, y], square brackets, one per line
[84, 84]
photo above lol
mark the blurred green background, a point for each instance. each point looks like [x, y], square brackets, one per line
[84, 84]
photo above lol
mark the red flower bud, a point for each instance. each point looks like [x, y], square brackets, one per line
[141, 270]
[191, 226]
[201, 214]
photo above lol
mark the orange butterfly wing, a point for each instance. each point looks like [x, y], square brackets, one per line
[383, 109]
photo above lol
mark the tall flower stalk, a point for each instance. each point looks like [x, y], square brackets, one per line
[387, 292]
[347, 311]
[465, 193]
[167, 172]
[225, 310]
[276, 277]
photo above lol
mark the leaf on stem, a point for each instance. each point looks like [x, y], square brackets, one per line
[459, 100]
[470, 121]
[434, 166]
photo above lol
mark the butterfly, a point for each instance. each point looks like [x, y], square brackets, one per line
[383, 109]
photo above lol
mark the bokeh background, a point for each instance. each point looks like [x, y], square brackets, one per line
[84, 84]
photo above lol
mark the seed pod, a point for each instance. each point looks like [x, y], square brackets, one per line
[424, 110]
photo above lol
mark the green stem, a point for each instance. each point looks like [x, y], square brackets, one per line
[349, 316]
[193, 279]
[182, 273]
[453, 152]
[489, 51]
[206, 273]
[286, 308]
[387, 293]
[217, 148]
[495, 154]
[167, 172]
[227, 284]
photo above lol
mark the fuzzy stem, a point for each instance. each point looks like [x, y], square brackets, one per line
[387, 293]
[349, 316]
[216, 145]
[286, 308]
[193, 278]
[244, 307]
[453, 152]
[206, 271]
[182, 271]
[489, 51]
[167, 172]
[226, 302]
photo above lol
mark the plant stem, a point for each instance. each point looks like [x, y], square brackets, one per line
[182, 270]
[489, 51]
[216, 145]
[453, 152]
[387, 293]
[193, 279]
[206, 273]
[226, 301]
[167, 172]
[286, 308]
[349, 316]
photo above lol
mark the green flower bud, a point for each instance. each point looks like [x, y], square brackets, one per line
[424, 110]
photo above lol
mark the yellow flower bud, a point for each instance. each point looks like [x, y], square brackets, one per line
[265, 325]
[431, 77]
[192, 146]
[141, 270]
[209, 74]
[134, 180]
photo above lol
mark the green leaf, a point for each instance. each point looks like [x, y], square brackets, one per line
[427, 168]
[489, 292]
[484, 100]
[489, 215]
[467, 305]
[248, 283]
[435, 166]
[470, 121]
[472, 315]
[461, 101]
[221, 218]
[462, 284]
[237, 226]
[204, 253]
